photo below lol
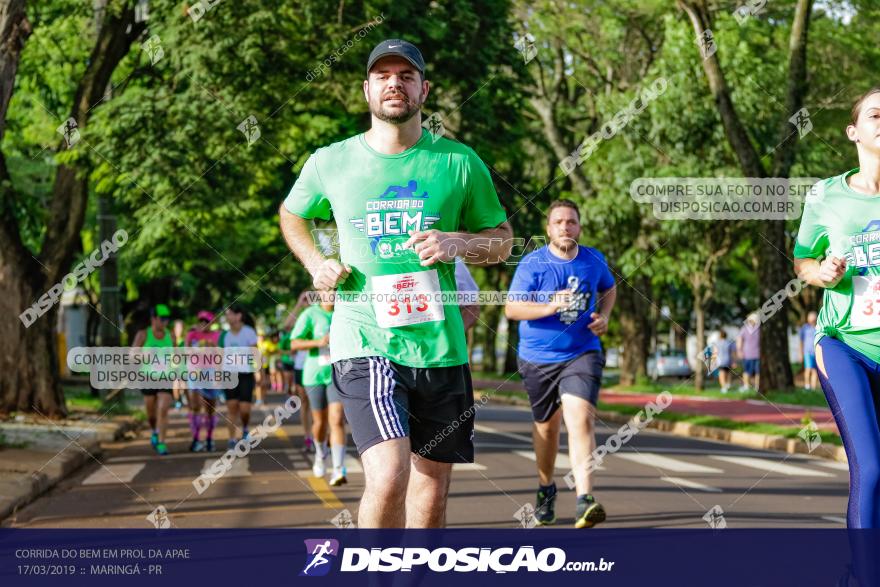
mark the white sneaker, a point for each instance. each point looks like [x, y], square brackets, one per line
[319, 468]
[744, 389]
[338, 477]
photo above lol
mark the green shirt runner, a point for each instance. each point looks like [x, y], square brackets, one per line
[313, 324]
[845, 223]
[377, 200]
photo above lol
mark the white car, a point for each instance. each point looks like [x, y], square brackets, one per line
[669, 364]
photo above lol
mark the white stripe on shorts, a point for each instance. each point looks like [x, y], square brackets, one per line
[377, 399]
[389, 399]
[374, 375]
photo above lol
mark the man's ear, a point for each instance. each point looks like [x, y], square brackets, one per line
[367, 90]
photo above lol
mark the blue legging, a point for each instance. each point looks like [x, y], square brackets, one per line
[852, 386]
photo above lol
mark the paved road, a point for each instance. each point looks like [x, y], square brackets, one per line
[656, 480]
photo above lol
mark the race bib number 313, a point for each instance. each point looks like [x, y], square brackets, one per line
[866, 302]
[404, 299]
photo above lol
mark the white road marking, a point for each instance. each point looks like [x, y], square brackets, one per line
[468, 467]
[836, 465]
[240, 467]
[772, 466]
[562, 461]
[490, 430]
[665, 463]
[690, 484]
[120, 473]
[835, 519]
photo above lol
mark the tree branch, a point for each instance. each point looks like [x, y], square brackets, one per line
[736, 132]
[70, 191]
[797, 88]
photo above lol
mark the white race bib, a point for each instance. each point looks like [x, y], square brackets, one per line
[403, 299]
[865, 311]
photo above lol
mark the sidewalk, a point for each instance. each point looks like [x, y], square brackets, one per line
[38, 456]
[751, 411]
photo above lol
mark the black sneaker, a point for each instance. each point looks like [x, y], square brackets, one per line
[545, 510]
[589, 512]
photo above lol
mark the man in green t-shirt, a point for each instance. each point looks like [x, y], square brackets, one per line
[311, 334]
[406, 203]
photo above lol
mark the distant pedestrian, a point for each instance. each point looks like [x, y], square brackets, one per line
[721, 352]
[748, 347]
[806, 336]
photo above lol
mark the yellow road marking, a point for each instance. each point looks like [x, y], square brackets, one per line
[280, 433]
[324, 493]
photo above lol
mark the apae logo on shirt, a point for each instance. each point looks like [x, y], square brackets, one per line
[580, 301]
[399, 210]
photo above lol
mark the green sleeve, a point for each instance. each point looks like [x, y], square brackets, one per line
[481, 209]
[307, 198]
[302, 330]
[812, 236]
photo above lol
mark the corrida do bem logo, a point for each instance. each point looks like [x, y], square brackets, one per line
[399, 210]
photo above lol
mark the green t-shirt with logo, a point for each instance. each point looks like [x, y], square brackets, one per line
[312, 324]
[842, 222]
[377, 200]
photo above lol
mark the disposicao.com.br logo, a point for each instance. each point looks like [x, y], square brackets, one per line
[441, 560]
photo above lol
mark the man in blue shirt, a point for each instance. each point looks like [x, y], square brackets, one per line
[563, 294]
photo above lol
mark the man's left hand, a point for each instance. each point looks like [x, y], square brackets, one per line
[599, 325]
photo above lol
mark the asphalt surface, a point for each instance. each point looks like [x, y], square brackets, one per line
[654, 481]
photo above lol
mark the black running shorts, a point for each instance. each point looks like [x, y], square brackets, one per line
[433, 406]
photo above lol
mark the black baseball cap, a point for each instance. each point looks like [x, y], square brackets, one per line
[397, 47]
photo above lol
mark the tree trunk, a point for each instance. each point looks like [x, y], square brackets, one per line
[510, 364]
[632, 310]
[491, 317]
[773, 273]
[29, 379]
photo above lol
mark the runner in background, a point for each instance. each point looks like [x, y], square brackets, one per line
[748, 347]
[723, 360]
[311, 334]
[470, 308]
[179, 387]
[260, 381]
[202, 401]
[268, 346]
[275, 376]
[241, 333]
[806, 336]
[562, 295]
[293, 365]
[157, 401]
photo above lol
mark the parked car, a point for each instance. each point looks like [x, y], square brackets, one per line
[669, 364]
[612, 358]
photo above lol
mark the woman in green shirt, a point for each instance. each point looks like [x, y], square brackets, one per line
[838, 249]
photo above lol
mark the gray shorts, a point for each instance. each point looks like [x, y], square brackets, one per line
[320, 396]
[546, 382]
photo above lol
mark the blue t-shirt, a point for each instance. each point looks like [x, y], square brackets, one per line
[807, 334]
[564, 335]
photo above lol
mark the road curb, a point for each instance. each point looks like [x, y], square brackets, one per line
[51, 454]
[755, 440]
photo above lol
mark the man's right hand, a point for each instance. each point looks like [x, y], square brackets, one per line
[330, 274]
[831, 270]
[324, 340]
